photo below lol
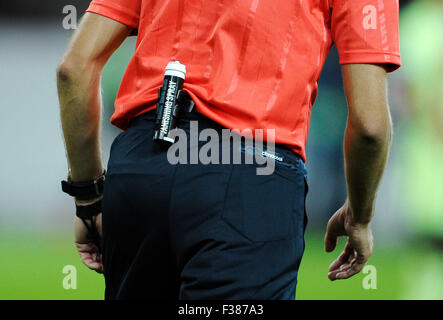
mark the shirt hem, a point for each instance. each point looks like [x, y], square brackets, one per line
[392, 59]
[116, 13]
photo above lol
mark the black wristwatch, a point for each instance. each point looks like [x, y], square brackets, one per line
[86, 190]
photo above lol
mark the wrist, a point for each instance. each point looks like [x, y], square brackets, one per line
[85, 192]
[83, 202]
[359, 216]
[82, 175]
[88, 209]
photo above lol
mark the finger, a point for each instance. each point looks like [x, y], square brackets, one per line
[354, 269]
[343, 258]
[343, 268]
[90, 262]
[90, 256]
[355, 264]
[345, 265]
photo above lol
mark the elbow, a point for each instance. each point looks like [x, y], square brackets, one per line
[376, 140]
[66, 71]
[375, 136]
[71, 68]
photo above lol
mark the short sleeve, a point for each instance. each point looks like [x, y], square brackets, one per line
[124, 11]
[366, 31]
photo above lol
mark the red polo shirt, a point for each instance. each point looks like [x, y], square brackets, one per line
[251, 64]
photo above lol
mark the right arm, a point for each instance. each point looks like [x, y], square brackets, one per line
[78, 82]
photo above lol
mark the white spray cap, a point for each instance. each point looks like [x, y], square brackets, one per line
[175, 68]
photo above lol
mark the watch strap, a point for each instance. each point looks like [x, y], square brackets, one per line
[89, 211]
[84, 189]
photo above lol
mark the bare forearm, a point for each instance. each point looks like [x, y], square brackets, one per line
[80, 110]
[365, 161]
[78, 82]
[367, 137]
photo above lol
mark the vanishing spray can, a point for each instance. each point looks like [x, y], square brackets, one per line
[168, 106]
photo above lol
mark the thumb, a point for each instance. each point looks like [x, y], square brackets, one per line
[334, 229]
[330, 241]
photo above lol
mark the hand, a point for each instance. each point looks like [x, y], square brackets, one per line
[89, 250]
[358, 248]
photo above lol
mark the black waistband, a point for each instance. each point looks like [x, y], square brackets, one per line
[204, 122]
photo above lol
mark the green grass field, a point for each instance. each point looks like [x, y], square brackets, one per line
[32, 268]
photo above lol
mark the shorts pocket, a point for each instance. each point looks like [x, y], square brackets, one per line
[264, 208]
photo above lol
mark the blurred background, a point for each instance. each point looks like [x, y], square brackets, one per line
[36, 237]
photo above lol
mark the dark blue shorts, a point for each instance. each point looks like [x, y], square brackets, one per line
[195, 231]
